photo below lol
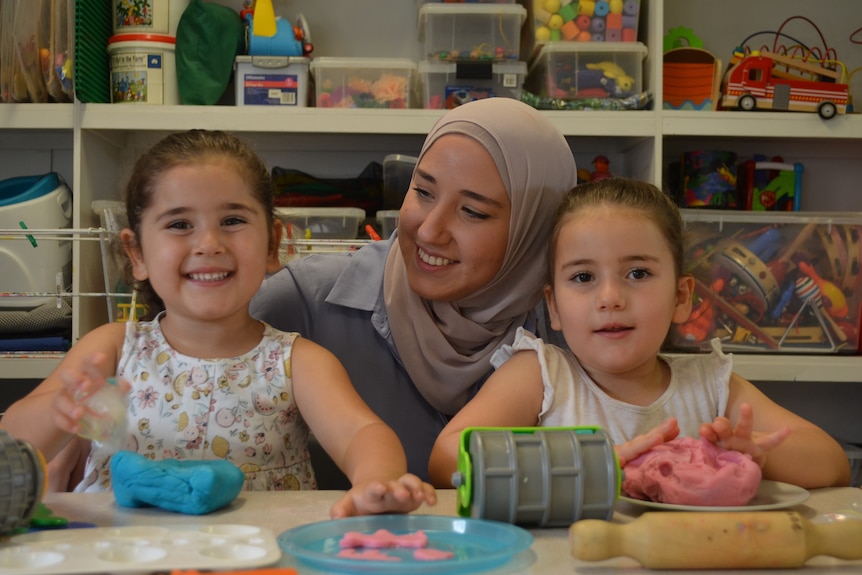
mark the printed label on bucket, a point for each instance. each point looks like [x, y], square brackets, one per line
[137, 77]
[270, 89]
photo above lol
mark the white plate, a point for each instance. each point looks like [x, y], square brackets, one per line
[770, 495]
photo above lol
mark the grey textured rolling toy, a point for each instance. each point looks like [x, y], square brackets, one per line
[22, 482]
[542, 476]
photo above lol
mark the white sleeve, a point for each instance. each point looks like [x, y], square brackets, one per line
[555, 368]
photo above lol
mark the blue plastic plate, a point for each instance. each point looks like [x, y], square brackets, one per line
[476, 543]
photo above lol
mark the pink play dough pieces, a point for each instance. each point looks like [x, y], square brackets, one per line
[364, 546]
[689, 471]
[383, 538]
[366, 555]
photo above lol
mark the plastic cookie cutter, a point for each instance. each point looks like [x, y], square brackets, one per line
[23, 482]
[542, 476]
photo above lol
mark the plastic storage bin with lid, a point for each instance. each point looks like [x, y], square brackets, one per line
[584, 20]
[397, 174]
[575, 71]
[271, 81]
[311, 230]
[447, 85]
[31, 263]
[471, 31]
[773, 282]
[354, 82]
[387, 220]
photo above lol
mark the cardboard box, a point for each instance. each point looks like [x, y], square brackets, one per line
[471, 31]
[773, 282]
[577, 71]
[271, 81]
[447, 85]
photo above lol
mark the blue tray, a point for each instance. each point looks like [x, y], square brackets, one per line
[476, 543]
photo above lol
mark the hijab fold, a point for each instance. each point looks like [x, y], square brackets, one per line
[446, 347]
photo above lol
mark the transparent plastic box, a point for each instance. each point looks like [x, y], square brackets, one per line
[353, 82]
[387, 220]
[309, 230]
[447, 85]
[397, 174]
[471, 31]
[773, 282]
[584, 21]
[576, 71]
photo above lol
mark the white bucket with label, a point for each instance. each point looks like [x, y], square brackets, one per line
[148, 16]
[30, 263]
[143, 69]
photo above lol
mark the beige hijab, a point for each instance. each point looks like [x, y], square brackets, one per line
[446, 346]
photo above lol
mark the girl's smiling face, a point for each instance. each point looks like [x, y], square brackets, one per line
[615, 292]
[203, 242]
[453, 228]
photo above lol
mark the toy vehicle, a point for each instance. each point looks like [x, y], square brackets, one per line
[772, 82]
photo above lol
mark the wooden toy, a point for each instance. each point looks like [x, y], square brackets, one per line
[705, 540]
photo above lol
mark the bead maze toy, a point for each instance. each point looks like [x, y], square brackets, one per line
[543, 476]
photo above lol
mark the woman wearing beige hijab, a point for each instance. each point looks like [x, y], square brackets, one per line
[415, 319]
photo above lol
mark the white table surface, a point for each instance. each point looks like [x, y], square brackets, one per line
[548, 555]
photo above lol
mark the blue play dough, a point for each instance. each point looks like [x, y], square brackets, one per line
[191, 487]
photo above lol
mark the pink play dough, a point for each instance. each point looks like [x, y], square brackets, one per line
[383, 538]
[689, 471]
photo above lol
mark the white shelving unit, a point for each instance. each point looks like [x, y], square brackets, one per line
[93, 145]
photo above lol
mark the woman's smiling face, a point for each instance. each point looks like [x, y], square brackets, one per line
[454, 223]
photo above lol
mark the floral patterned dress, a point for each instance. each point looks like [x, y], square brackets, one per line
[241, 409]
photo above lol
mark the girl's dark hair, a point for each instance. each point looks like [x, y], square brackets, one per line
[627, 193]
[181, 149]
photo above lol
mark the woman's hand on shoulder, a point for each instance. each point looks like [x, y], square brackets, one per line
[743, 438]
[401, 495]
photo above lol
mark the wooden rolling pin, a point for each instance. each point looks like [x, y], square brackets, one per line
[716, 540]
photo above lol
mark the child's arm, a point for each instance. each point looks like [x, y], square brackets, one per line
[788, 447]
[48, 416]
[511, 397]
[359, 442]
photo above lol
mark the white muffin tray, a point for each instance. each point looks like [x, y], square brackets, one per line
[142, 549]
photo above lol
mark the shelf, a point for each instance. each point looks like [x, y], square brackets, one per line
[16, 367]
[37, 116]
[798, 368]
[339, 121]
[760, 125]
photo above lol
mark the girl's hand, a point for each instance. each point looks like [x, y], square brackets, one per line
[77, 385]
[633, 448]
[403, 495]
[742, 437]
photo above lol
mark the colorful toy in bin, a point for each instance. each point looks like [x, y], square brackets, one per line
[766, 282]
[268, 35]
[771, 186]
[543, 476]
[585, 20]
